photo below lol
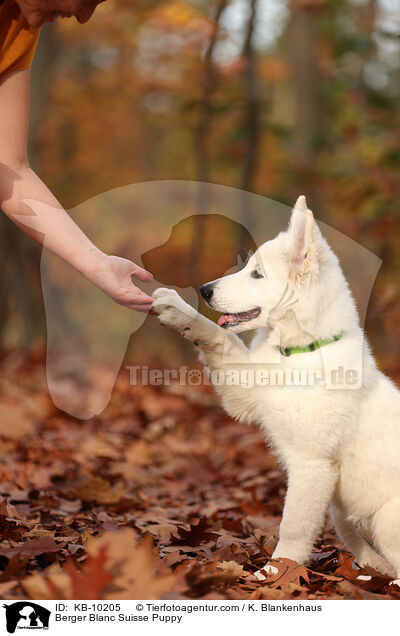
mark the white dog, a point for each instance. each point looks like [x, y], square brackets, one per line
[339, 446]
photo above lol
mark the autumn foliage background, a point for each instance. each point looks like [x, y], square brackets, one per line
[270, 96]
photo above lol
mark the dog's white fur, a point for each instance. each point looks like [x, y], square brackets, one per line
[339, 446]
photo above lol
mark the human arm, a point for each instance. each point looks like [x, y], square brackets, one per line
[49, 224]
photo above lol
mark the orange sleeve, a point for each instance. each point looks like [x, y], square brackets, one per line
[18, 41]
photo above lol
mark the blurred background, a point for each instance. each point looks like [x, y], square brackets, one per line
[270, 96]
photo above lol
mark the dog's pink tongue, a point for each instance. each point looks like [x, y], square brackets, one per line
[225, 318]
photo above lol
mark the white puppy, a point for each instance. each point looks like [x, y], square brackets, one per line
[339, 446]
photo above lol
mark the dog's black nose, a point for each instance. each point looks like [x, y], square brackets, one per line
[207, 291]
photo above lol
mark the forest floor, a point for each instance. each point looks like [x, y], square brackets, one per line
[162, 496]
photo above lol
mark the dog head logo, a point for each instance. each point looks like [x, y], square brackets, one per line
[26, 615]
[193, 234]
[199, 246]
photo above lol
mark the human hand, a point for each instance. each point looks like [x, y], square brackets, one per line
[112, 274]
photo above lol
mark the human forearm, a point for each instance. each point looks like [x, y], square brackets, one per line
[44, 219]
[31, 205]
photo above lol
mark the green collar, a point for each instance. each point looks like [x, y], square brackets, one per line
[317, 344]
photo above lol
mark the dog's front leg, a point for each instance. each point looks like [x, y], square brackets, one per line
[214, 341]
[310, 487]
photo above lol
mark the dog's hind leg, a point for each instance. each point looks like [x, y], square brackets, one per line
[364, 553]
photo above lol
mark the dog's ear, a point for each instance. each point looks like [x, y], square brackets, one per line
[303, 235]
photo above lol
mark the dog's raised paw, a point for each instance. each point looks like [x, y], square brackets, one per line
[268, 569]
[165, 296]
[164, 291]
[173, 311]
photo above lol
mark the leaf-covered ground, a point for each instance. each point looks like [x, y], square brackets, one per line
[162, 496]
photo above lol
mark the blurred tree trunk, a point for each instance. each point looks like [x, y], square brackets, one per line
[251, 125]
[309, 107]
[251, 92]
[20, 287]
[305, 83]
[209, 81]
[366, 18]
[201, 140]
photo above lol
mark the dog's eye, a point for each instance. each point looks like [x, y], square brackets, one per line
[256, 274]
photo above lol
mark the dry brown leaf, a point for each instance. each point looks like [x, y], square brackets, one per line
[205, 576]
[137, 574]
[198, 533]
[33, 548]
[232, 569]
[97, 489]
[288, 572]
[160, 530]
[36, 587]
[117, 568]
[5, 589]
[345, 568]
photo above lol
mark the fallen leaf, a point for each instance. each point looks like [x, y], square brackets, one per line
[232, 569]
[288, 572]
[197, 534]
[33, 548]
[137, 574]
[98, 490]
